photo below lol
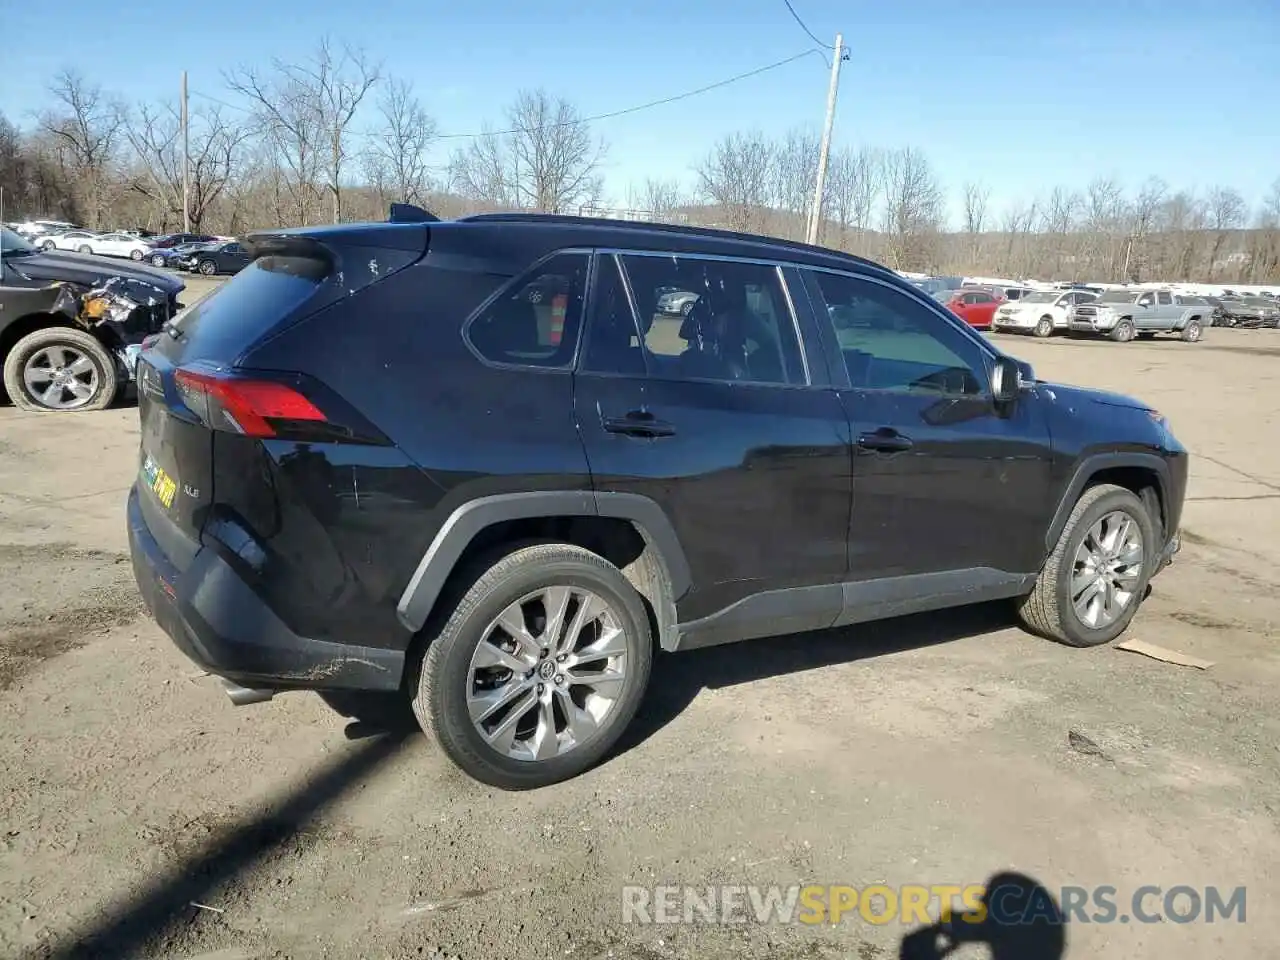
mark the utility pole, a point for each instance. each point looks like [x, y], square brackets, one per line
[186, 160]
[815, 215]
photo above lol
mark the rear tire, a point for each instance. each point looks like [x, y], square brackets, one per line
[135, 255]
[1192, 332]
[446, 695]
[1050, 609]
[84, 248]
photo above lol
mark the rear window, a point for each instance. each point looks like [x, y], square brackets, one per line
[228, 321]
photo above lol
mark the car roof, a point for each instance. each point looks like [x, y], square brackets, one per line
[565, 230]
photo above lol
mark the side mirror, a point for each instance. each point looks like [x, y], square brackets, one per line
[1006, 380]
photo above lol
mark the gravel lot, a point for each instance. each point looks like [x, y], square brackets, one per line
[927, 750]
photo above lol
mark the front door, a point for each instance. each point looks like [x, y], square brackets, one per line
[943, 480]
[693, 390]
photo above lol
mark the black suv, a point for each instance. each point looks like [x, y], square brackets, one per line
[473, 462]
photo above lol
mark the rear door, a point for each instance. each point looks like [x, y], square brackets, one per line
[715, 412]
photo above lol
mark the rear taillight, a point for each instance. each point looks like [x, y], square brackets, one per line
[253, 407]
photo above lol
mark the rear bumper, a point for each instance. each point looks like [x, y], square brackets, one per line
[216, 619]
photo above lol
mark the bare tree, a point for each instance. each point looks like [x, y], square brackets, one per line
[913, 209]
[306, 109]
[793, 174]
[1227, 212]
[547, 161]
[155, 133]
[1104, 209]
[85, 126]
[660, 199]
[975, 199]
[855, 184]
[397, 157]
[1057, 221]
[735, 176]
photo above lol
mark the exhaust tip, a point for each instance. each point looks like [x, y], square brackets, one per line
[243, 696]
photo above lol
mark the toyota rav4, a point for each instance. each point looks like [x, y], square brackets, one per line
[483, 465]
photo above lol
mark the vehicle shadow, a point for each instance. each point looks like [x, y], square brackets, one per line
[1018, 920]
[144, 920]
[678, 678]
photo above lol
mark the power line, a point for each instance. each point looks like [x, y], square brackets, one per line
[827, 46]
[599, 116]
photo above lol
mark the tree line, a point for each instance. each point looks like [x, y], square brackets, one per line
[334, 137]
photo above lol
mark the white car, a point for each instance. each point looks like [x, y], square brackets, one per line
[1041, 312]
[68, 240]
[118, 245]
[32, 229]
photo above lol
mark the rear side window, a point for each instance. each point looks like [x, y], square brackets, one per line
[534, 322]
[707, 319]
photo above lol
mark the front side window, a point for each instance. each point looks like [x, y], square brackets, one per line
[890, 341]
[705, 319]
[535, 321]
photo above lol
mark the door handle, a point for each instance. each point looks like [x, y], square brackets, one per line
[639, 423]
[884, 440]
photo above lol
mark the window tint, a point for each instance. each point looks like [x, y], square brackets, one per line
[714, 320]
[613, 339]
[534, 322]
[1165, 299]
[892, 342]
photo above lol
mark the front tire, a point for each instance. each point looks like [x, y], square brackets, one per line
[1123, 332]
[1095, 578]
[157, 261]
[135, 255]
[538, 669]
[60, 370]
[1044, 327]
[208, 268]
[84, 248]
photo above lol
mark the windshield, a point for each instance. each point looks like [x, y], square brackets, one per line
[944, 296]
[11, 242]
[1120, 296]
[1041, 297]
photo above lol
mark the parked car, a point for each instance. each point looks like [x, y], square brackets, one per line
[32, 229]
[478, 515]
[1041, 312]
[1219, 311]
[1252, 312]
[170, 240]
[974, 307]
[68, 240]
[1124, 314]
[70, 330]
[214, 258]
[117, 245]
[173, 256]
[676, 302]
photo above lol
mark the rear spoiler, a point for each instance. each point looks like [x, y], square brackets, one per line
[408, 213]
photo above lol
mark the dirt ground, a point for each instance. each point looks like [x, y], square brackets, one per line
[928, 750]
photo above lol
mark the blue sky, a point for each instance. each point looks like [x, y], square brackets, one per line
[1021, 96]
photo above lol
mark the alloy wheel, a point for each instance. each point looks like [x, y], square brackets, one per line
[547, 673]
[1107, 570]
[60, 377]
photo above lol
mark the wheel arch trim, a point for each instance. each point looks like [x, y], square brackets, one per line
[1090, 466]
[469, 519]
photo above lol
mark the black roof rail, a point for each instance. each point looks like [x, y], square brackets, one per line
[408, 213]
[656, 227]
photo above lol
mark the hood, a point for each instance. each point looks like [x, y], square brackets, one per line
[1076, 396]
[90, 271]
